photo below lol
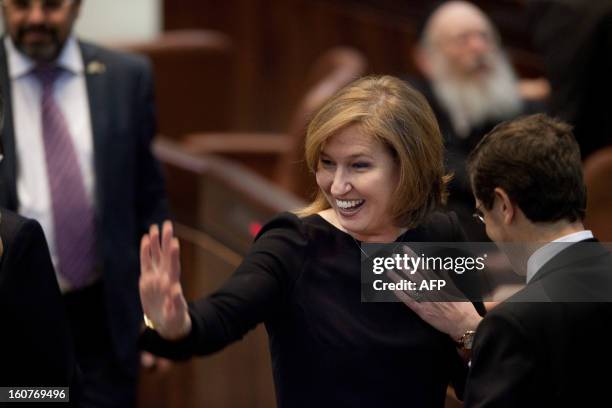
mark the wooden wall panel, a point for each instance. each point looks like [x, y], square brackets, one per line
[277, 40]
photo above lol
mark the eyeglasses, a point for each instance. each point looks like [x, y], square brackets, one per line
[479, 215]
[46, 5]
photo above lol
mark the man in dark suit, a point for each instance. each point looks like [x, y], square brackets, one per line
[78, 127]
[37, 348]
[548, 344]
[527, 179]
[36, 344]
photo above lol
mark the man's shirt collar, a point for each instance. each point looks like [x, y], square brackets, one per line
[20, 65]
[548, 251]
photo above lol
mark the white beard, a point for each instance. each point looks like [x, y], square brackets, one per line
[470, 103]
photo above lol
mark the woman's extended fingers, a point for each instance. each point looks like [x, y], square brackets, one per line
[154, 244]
[161, 293]
[166, 247]
[167, 233]
[175, 263]
[145, 255]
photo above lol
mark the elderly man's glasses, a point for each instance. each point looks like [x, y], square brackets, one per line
[47, 5]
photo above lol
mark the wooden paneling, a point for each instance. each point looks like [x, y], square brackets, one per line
[277, 40]
[194, 80]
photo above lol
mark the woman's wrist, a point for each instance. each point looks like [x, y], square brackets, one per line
[173, 333]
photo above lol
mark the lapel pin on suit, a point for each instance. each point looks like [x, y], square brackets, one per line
[95, 67]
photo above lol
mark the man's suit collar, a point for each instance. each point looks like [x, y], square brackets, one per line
[548, 251]
[98, 87]
[90, 53]
[574, 254]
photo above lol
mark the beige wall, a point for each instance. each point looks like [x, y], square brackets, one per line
[118, 20]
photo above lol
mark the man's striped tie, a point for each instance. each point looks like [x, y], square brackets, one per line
[73, 214]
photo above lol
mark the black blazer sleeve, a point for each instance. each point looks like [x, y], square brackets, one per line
[37, 347]
[253, 294]
[501, 373]
[445, 227]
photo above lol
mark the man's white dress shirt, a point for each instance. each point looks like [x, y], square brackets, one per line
[547, 252]
[71, 95]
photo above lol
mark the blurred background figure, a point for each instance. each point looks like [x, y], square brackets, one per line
[468, 75]
[471, 86]
[37, 346]
[77, 132]
[575, 40]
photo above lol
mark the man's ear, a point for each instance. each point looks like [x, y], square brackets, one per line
[507, 208]
[421, 58]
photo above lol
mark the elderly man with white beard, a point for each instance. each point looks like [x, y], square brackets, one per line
[471, 87]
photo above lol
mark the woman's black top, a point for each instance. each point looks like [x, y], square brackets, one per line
[302, 279]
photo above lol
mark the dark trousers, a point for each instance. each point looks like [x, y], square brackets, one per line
[105, 382]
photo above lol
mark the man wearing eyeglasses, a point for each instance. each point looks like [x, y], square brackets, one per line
[548, 344]
[77, 133]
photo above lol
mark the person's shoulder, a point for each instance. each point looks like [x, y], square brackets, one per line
[523, 315]
[509, 319]
[17, 233]
[13, 224]
[441, 226]
[511, 309]
[306, 227]
[114, 58]
[282, 222]
[445, 218]
[286, 235]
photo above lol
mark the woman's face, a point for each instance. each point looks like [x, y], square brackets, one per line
[358, 176]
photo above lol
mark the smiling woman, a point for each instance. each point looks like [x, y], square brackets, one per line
[358, 176]
[377, 154]
[378, 138]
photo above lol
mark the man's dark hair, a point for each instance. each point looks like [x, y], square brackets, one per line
[536, 161]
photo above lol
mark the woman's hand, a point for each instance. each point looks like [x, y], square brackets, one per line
[160, 287]
[452, 318]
